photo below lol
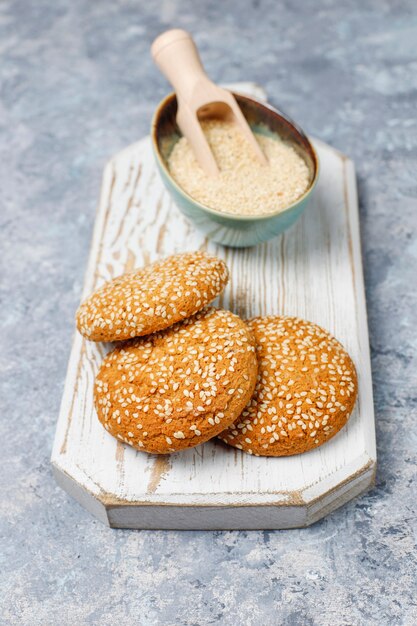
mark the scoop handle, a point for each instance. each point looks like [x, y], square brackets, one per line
[176, 55]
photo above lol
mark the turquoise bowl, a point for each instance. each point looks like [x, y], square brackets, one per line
[228, 229]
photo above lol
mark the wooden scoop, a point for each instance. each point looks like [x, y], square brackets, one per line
[176, 55]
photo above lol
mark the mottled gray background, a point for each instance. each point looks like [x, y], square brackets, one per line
[77, 85]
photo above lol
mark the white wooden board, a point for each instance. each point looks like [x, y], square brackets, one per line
[313, 271]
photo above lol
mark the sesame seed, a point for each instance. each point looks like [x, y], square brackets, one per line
[241, 176]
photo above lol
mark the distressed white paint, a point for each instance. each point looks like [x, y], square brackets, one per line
[314, 271]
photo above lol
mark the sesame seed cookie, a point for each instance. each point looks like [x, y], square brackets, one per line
[305, 392]
[152, 298]
[180, 387]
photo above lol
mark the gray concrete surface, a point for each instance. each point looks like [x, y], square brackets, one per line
[76, 85]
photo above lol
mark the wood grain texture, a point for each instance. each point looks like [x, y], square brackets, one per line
[313, 271]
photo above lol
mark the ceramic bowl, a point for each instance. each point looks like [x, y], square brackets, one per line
[226, 228]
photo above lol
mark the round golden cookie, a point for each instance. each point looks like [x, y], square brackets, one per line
[305, 392]
[180, 387]
[152, 298]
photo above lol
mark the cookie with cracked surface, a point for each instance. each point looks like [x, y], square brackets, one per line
[179, 387]
[305, 392]
[152, 298]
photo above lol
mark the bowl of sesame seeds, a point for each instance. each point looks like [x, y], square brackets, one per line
[248, 202]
